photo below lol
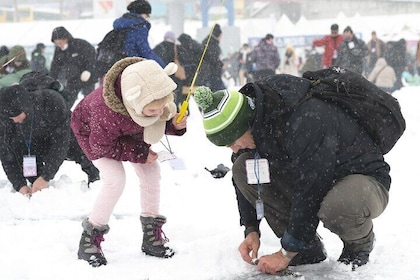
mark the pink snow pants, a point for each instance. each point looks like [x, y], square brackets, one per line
[113, 178]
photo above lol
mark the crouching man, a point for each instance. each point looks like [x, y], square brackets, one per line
[297, 169]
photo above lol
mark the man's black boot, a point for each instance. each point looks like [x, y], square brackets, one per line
[357, 252]
[314, 254]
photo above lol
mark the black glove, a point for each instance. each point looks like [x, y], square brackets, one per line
[219, 172]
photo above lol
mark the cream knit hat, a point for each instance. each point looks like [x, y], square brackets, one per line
[141, 84]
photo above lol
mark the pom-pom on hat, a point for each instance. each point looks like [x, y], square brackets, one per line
[140, 7]
[226, 114]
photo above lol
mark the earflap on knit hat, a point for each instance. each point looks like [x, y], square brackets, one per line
[226, 114]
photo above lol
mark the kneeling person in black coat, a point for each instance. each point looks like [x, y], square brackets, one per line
[35, 136]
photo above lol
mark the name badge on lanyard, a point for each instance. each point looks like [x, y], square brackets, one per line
[258, 172]
[29, 166]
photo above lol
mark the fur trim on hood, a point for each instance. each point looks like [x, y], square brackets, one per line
[112, 99]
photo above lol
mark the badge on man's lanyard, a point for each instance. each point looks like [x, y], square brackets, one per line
[29, 166]
[258, 172]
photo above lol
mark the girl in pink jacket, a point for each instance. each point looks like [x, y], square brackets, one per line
[117, 122]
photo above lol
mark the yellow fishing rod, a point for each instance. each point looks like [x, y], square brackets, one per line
[184, 106]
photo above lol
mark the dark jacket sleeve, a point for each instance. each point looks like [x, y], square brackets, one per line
[9, 158]
[247, 213]
[88, 56]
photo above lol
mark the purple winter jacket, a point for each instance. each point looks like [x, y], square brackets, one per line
[103, 127]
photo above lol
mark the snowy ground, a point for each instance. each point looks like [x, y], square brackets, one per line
[39, 237]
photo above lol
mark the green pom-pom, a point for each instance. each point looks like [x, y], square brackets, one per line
[203, 97]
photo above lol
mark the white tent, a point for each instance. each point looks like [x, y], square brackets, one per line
[284, 26]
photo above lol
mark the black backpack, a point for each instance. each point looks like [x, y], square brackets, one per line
[377, 111]
[111, 49]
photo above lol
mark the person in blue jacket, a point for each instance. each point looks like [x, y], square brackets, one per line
[136, 42]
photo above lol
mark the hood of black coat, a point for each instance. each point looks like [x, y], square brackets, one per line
[36, 80]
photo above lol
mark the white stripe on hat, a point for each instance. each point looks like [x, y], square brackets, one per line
[219, 110]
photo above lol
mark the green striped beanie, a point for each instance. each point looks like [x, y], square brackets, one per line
[226, 114]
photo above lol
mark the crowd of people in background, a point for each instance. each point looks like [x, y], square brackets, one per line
[218, 69]
[398, 67]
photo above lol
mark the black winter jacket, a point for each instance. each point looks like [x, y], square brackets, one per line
[212, 66]
[48, 120]
[68, 65]
[312, 146]
[351, 55]
[190, 52]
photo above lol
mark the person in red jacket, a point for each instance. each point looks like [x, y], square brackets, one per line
[331, 43]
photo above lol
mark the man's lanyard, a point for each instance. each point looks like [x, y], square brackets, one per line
[28, 142]
[258, 173]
